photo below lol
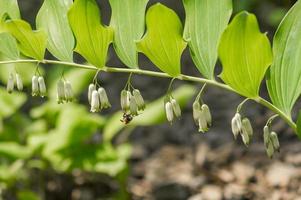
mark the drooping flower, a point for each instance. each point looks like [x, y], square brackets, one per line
[19, 82]
[95, 104]
[139, 99]
[68, 91]
[35, 86]
[207, 114]
[133, 106]
[236, 125]
[42, 86]
[202, 122]
[196, 111]
[104, 100]
[247, 131]
[125, 100]
[60, 92]
[176, 108]
[169, 112]
[266, 135]
[275, 141]
[91, 88]
[10, 83]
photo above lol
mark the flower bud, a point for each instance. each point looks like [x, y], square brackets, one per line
[90, 90]
[35, 86]
[245, 137]
[68, 91]
[42, 86]
[266, 136]
[104, 101]
[207, 114]
[139, 99]
[95, 104]
[169, 112]
[247, 127]
[19, 82]
[176, 108]
[203, 125]
[275, 141]
[196, 111]
[60, 92]
[10, 83]
[124, 100]
[133, 106]
[236, 125]
[270, 150]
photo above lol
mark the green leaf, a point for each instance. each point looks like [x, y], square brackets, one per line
[163, 43]
[299, 125]
[31, 43]
[8, 46]
[284, 80]
[245, 54]
[10, 7]
[52, 18]
[128, 24]
[153, 114]
[93, 39]
[206, 20]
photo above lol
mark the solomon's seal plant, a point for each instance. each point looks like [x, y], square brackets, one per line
[244, 51]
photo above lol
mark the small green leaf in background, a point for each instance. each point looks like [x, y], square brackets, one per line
[245, 54]
[52, 18]
[8, 46]
[31, 43]
[10, 103]
[93, 39]
[128, 22]
[14, 151]
[11, 8]
[163, 43]
[206, 20]
[284, 80]
[28, 195]
[153, 114]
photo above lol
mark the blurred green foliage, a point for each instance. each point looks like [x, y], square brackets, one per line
[39, 134]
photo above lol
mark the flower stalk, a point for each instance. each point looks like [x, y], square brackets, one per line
[183, 77]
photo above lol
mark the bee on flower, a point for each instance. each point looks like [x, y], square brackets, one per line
[131, 103]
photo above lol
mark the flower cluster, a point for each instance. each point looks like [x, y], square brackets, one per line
[172, 109]
[64, 92]
[38, 86]
[271, 141]
[243, 128]
[202, 116]
[98, 98]
[11, 82]
[131, 102]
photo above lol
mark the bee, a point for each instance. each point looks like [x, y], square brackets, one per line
[126, 118]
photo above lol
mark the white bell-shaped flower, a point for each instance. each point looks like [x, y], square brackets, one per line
[34, 86]
[42, 86]
[10, 83]
[19, 82]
